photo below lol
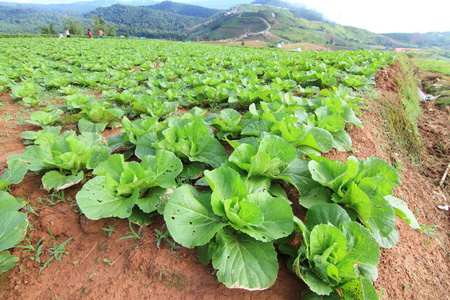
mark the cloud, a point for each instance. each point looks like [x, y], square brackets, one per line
[384, 15]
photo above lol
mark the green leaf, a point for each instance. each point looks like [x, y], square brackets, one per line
[156, 199]
[314, 282]
[310, 295]
[259, 184]
[362, 246]
[243, 213]
[213, 154]
[298, 174]
[14, 174]
[141, 218]
[375, 167]
[349, 116]
[97, 199]
[113, 167]
[7, 261]
[402, 211]
[353, 289]
[342, 141]
[34, 156]
[326, 213]
[315, 196]
[165, 166]
[242, 156]
[43, 118]
[333, 174]
[388, 241]
[359, 288]
[356, 199]
[13, 224]
[325, 238]
[277, 147]
[189, 217]
[369, 272]
[225, 183]
[243, 262]
[382, 215]
[9, 203]
[85, 125]
[57, 181]
[276, 220]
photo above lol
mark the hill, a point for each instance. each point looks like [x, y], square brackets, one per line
[430, 39]
[164, 20]
[272, 23]
[185, 9]
[26, 20]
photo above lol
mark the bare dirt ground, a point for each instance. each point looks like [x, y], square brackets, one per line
[98, 264]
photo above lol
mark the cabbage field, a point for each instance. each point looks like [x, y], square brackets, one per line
[211, 138]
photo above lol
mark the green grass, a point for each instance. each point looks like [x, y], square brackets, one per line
[402, 119]
[433, 65]
[443, 100]
[235, 23]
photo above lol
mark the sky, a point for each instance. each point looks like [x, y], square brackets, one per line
[380, 16]
[384, 16]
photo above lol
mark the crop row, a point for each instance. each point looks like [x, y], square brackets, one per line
[256, 121]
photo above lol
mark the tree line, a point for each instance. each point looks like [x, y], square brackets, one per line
[75, 27]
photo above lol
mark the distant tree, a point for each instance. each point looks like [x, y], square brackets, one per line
[51, 28]
[100, 23]
[48, 30]
[74, 27]
[111, 31]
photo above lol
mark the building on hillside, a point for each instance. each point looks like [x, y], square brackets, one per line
[400, 50]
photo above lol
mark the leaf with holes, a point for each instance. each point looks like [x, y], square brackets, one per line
[190, 218]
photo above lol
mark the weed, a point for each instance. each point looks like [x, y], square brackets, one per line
[110, 230]
[109, 262]
[132, 234]
[7, 118]
[21, 121]
[401, 113]
[91, 275]
[430, 230]
[51, 235]
[160, 236]
[56, 252]
[398, 164]
[30, 248]
[54, 199]
[31, 209]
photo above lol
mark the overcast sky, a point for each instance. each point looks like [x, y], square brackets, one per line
[380, 16]
[383, 16]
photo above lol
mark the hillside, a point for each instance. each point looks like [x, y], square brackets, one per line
[430, 39]
[185, 9]
[26, 20]
[288, 25]
[165, 20]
